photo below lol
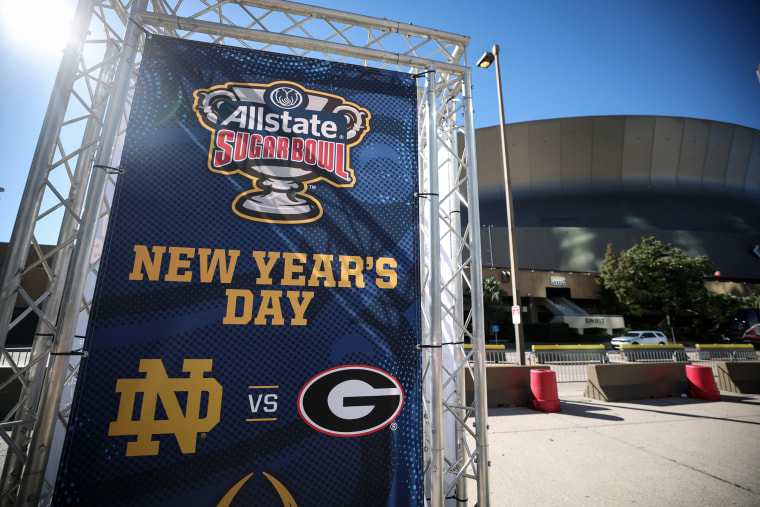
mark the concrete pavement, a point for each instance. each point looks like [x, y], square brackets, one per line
[664, 451]
[655, 452]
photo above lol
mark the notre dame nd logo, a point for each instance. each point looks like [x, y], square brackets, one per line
[185, 425]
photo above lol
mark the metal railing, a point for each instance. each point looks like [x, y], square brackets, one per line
[711, 354]
[497, 354]
[651, 354]
[20, 357]
[728, 352]
[570, 362]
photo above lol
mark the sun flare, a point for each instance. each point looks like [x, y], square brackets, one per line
[41, 28]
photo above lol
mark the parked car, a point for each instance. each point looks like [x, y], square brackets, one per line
[752, 335]
[640, 338]
[722, 336]
[734, 329]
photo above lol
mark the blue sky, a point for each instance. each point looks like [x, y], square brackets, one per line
[693, 58]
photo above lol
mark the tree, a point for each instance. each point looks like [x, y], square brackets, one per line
[609, 302]
[713, 309]
[492, 292]
[493, 295]
[654, 276]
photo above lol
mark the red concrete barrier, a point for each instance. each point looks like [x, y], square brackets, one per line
[543, 386]
[701, 383]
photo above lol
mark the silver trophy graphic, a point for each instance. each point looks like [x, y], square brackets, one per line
[283, 137]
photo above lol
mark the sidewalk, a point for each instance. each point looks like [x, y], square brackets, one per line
[663, 451]
[656, 452]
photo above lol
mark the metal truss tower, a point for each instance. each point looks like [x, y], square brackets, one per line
[70, 184]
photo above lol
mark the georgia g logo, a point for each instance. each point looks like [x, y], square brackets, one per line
[350, 401]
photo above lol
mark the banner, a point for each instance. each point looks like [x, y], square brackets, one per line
[255, 331]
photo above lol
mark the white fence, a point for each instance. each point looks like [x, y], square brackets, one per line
[20, 357]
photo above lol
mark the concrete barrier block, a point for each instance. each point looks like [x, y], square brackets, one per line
[620, 382]
[507, 385]
[739, 377]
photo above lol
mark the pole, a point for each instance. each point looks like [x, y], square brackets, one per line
[40, 446]
[436, 372]
[519, 337]
[490, 243]
[478, 324]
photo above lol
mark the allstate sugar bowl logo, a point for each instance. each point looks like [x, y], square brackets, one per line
[283, 137]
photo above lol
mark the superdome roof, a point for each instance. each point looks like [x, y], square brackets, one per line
[647, 172]
[603, 152]
[581, 183]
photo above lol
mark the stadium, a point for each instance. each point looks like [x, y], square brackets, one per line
[579, 184]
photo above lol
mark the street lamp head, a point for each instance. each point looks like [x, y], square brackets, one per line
[486, 60]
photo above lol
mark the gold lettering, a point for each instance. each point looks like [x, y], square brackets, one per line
[294, 263]
[143, 259]
[322, 269]
[217, 261]
[265, 267]
[351, 266]
[386, 271]
[270, 306]
[232, 298]
[176, 262]
[299, 306]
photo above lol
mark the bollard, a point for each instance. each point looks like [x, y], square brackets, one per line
[702, 383]
[543, 387]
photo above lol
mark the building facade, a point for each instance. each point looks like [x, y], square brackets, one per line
[579, 184]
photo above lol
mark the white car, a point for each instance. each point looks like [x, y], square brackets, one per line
[640, 338]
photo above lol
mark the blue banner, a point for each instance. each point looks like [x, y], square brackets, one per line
[255, 331]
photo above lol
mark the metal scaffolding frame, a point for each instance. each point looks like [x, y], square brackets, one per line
[71, 180]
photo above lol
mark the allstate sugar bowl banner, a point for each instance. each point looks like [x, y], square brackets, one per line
[254, 336]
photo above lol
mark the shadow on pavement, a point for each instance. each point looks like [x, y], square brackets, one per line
[651, 405]
[587, 410]
[667, 406]
[737, 398]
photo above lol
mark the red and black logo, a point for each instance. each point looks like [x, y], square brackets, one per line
[283, 137]
[350, 401]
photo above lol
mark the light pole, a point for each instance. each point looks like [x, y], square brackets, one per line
[484, 62]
